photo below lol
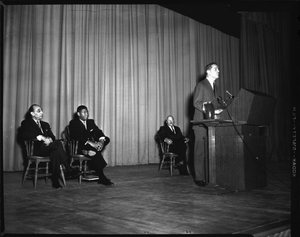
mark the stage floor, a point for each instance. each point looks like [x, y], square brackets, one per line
[143, 201]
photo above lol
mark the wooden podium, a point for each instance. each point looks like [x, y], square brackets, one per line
[237, 142]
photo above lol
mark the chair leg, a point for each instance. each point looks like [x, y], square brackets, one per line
[85, 166]
[161, 163]
[26, 172]
[171, 165]
[188, 169]
[80, 169]
[36, 173]
[47, 172]
[71, 163]
[62, 175]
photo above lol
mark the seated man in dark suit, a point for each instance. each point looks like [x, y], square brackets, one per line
[91, 141]
[173, 136]
[34, 128]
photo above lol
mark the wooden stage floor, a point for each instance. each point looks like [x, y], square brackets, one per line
[143, 201]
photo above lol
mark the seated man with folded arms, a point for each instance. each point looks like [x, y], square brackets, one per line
[34, 128]
[91, 141]
[173, 136]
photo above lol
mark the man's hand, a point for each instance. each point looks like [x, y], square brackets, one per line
[102, 139]
[203, 106]
[186, 140]
[218, 111]
[48, 140]
[41, 138]
[97, 145]
[167, 140]
[100, 145]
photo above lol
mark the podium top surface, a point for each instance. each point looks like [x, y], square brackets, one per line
[214, 122]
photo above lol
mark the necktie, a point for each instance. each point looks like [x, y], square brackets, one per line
[214, 88]
[173, 129]
[39, 124]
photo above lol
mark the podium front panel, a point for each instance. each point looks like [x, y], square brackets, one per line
[237, 167]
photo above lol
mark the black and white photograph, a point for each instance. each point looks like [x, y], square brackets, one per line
[150, 118]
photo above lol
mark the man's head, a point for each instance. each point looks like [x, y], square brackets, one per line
[36, 111]
[212, 71]
[170, 121]
[82, 112]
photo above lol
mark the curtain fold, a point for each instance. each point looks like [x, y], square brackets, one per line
[265, 67]
[131, 65]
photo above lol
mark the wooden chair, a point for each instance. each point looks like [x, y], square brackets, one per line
[167, 158]
[29, 144]
[82, 159]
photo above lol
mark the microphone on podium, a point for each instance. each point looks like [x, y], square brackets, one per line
[232, 96]
[222, 102]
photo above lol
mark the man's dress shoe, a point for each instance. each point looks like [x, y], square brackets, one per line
[178, 165]
[106, 182]
[184, 173]
[183, 170]
[72, 174]
[56, 184]
[200, 183]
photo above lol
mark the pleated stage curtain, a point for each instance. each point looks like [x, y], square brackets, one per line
[131, 65]
[266, 67]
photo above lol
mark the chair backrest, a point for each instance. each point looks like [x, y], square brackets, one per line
[29, 145]
[164, 146]
[67, 132]
[73, 146]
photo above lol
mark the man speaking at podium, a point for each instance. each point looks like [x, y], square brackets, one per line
[204, 98]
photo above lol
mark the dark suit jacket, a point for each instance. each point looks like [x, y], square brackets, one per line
[78, 132]
[204, 93]
[31, 130]
[166, 132]
[178, 138]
